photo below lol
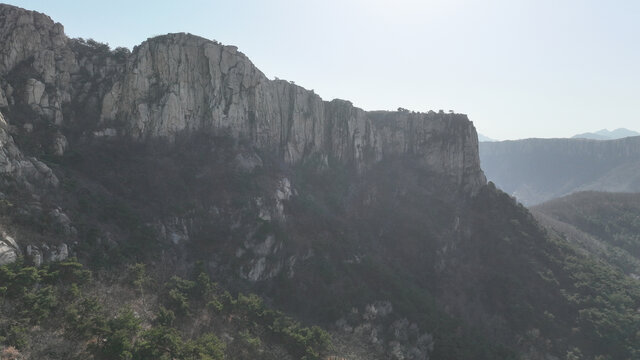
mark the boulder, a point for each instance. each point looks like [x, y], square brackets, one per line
[9, 250]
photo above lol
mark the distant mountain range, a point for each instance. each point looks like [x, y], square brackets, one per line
[605, 134]
[537, 170]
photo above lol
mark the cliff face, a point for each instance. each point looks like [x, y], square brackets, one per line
[31, 42]
[180, 83]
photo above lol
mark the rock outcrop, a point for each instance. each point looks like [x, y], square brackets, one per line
[38, 255]
[30, 40]
[18, 169]
[9, 250]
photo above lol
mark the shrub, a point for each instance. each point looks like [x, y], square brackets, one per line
[206, 347]
[245, 345]
[160, 343]
[86, 318]
[179, 301]
[16, 335]
[38, 305]
[121, 330]
[165, 316]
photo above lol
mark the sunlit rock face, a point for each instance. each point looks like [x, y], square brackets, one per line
[182, 83]
[20, 170]
[9, 250]
[32, 40]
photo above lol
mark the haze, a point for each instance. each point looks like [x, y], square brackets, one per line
[519, 69]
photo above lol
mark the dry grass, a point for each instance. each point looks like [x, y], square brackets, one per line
[10, 353]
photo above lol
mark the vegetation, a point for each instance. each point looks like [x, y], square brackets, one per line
[57, 298]
[573, 298]
[613, 218]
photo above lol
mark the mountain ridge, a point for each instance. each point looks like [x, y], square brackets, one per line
[535, 170]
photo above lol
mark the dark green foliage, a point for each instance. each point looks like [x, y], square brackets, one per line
[166, 343]
[251, 305]
[607, 319]
[203, 285]
[121, 53]
[118, 337]
[68, 271]
[90, 47]
[34, 290]
[159, 343]
[178, 294]
[570, 297]
[15, 335]
[606, 225]
[165, 317]
[18, 280]
[206, 347]
[138, 275]
[85, 318]
[178, 301]
[184, 296]
[302, 342]
[37, 295]
[38, 304]
[246, 346]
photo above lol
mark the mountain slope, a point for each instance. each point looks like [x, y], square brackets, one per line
[535, 170]
[185, 180]
[605, 224]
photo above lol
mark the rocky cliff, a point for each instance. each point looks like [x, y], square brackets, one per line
[178, 84]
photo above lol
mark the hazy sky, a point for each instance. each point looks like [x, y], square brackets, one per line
[538, 68]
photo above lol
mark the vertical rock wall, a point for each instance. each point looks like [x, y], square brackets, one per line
[179, 82]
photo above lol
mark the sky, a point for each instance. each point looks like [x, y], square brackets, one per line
[517, 68]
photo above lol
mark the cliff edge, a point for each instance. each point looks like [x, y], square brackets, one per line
[178, 84]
